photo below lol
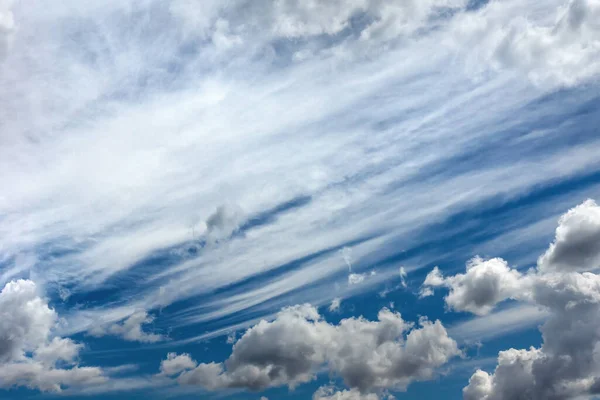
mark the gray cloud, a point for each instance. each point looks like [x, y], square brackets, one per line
[485, 283]
[367, 355]
[576, 246]
[330, 393]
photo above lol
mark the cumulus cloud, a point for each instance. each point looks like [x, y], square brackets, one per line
[30, 354]
[355, 279]
[576, 246]
[330, 393]
[567, 365]
[7, 26]
[485, 283]
[562, 51]
[129, 329]
[387, 353]
[403, 275]
[175, 364]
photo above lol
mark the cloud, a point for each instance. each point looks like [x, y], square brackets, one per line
[335, 305]
[175, 364]
[567, 363]
[129, 329]
[7, 26]
[563, 51]
[403, 275]
[330, 393]
[387, 353]
[29, 351]
[575, 247]
[485, 284]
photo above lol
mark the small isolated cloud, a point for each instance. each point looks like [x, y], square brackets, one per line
[484, 284]
[129, 329]
[335, 305]
[224, 221]
[403, 275]
[355, 279]
[231, 338]
[367, 355]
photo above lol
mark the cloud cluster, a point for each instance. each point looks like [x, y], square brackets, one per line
[563, 51]
[30, 354]
[367, 355]
[567, 365]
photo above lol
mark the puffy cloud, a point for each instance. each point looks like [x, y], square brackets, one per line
[484, 284]
[403, 275]
[329, 393]
[130, 329]
[29, 352]
[562, 51]
[576, 246]
[175, 364]
[567, 365]
[25, 320]
[387, 353]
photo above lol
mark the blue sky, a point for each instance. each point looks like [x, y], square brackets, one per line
[272, 183]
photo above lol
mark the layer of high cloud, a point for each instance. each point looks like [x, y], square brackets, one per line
[566, 365]
[367, 355]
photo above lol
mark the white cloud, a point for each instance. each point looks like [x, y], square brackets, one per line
[563, 50]
[129, 329]
[89, 120]
[566, 365]
[485, 284]
[175, 364]
[330, 393]
[335, 305]
[387, 353]
[575, 247]
[403, 275]
[29, 351]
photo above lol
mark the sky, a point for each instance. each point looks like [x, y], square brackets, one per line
[304, 199]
